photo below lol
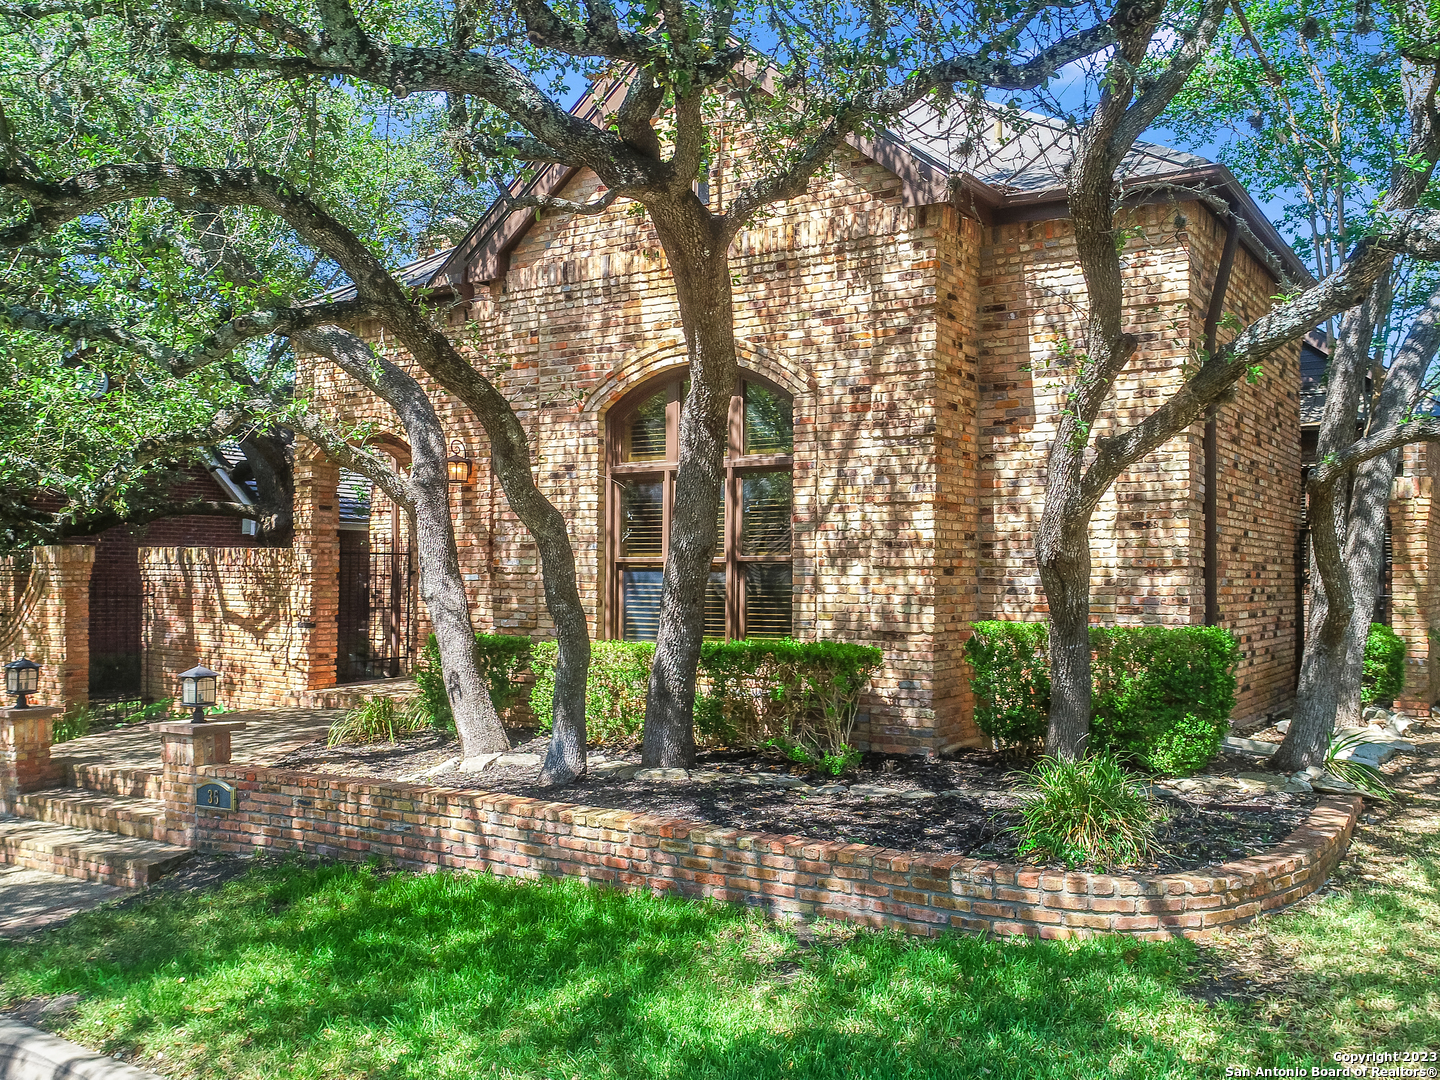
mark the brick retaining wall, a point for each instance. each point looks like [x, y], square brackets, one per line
[790, 877]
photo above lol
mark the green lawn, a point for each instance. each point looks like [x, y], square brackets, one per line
[349, 972]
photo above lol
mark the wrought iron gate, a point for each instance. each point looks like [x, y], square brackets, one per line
[376, 609]
[115, 647]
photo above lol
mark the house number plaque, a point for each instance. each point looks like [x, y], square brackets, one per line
[215, 795]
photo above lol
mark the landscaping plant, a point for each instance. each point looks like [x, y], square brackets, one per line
[614, 692]
[379, 719]
[1086, 812]
[503, 660]
[1162, 694]
[1370, 780]
[74, 724]
[801, 697]
[805, 694]
[1384, 676]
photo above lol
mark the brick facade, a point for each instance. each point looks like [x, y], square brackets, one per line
[921, 347]
[238, 611]
[45, 615]
[1415, 595]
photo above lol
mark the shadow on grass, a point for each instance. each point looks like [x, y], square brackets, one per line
[344, 971]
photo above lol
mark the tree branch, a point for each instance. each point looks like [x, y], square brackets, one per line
[216, 345]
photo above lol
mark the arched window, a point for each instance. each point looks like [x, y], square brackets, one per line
[749, 593]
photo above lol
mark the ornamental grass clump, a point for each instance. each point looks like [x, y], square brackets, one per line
[379, 719]
[1090, 812]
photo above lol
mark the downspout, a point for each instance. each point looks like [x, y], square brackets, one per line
[1212, 437]
[237, 492]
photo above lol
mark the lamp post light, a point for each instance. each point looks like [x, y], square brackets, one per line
[458, 464]
[197, 688]
[22, 677]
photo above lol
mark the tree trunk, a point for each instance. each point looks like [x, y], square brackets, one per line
[701, 269]
[1330, 609]
[441, 586]
[1065, 575]
[443, 590]
[1331, 589]
[1365, 552]
[510, 455]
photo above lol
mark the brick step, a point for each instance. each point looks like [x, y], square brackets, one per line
[98, 810]
[349, 695]
[84, 853]
[130, 783]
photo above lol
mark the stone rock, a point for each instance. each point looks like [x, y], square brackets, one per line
[1251, 781]
[616, 770]
[480, 762]
[662, 774]
[874, 790]
[916, 796]
[444, 766]
[781, 780]
[1401, 724]
[1298, 785]
[1333, 785]
[1375, 714]
[831, 789]
[1375, 746]
[1313, 772]
[518, 761]
[1248, 746]
[1283, 726]
[705, 776]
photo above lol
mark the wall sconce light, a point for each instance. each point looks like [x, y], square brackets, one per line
[22, 677]
[197, 688]
[458, 464]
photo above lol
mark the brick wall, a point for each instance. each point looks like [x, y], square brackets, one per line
[1148, 534]
[45, 615]
[921, 349]
[790, 877]
[239, 611]
[1415, 547]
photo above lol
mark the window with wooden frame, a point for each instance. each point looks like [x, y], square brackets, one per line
[749, 592]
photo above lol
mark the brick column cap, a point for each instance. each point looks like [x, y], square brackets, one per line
[34, 712]
[184, 728]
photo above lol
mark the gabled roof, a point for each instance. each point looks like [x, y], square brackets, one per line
[1009, 173]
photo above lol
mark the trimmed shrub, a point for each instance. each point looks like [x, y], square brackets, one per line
[1162, 694]
[1086, 812]
[379, 719]
[614, 693]
[1011, 680]
[1384, 676]
[502, 658]
[800, 697]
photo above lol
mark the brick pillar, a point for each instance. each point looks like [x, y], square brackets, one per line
[317, 550]
[1414, 528]
[45, 615]
[185, 751]
[25, 738]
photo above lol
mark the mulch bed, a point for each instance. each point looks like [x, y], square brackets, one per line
[976, 804]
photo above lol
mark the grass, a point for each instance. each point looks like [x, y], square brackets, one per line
[344, 971]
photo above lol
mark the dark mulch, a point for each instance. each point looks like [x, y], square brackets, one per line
[976, 805]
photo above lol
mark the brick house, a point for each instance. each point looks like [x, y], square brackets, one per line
[895, 328]
[898, 330]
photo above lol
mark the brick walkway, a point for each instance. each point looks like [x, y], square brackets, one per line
[269, 734]
[31, 899]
